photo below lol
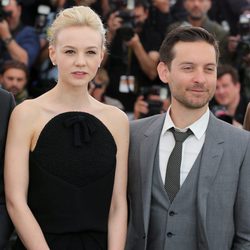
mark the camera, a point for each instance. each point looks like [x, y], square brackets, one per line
[41, 22]
[243, 47]
[4, 14]
[126, 31]
[221, 113]
[155, 105]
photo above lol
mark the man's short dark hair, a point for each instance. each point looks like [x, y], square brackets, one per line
[13, 64]
[142, 3]
[185, 34]
[228, 69]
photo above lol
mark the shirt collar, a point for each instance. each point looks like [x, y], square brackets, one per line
[198, 127]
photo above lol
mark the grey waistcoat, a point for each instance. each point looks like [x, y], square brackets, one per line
[173, 226]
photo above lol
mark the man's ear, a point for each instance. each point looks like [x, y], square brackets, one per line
[163, 72]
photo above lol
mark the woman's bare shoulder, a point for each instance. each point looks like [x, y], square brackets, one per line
[26, 112]
[116, 120]
[116, 114]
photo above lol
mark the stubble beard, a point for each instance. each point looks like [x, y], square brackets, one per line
[191, 103]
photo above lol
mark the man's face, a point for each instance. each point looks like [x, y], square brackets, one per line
[15, 10]
[191, 75]
[197, 9]
[226, 90]
[14, 80]
[140, 15]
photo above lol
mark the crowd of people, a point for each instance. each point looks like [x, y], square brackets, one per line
[135, 30]
[79, 72]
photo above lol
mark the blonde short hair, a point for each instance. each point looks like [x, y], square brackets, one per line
[76, 16]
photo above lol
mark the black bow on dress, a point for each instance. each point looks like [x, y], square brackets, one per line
[83, 128]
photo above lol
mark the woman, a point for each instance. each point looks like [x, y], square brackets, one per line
[246, 124]
[66, 154]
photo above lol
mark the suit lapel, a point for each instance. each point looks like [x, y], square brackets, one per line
[211, 157]
[148, 151]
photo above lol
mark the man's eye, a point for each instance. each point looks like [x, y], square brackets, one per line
[210, 69]
[70, 52]
[187, 68]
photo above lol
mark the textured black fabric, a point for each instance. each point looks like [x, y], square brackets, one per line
[172, 180]
[71, 181]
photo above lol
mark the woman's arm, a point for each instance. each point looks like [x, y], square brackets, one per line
[117, 226]
[16, 174]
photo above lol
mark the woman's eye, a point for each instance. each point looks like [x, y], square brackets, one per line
[91, 52]
[70, 52]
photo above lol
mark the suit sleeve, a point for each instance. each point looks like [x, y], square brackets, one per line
[242, 205]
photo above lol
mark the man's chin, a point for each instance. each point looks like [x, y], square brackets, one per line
[196, 18]
[14, 91]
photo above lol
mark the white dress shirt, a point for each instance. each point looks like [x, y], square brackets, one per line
[191, 146]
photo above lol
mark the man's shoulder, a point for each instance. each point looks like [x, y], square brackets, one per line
[214, 27]
[6, 98]
[4, 93]
[228, 131]
[26, 32]
[145, 123]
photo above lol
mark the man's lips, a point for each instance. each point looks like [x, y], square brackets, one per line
[198, 90]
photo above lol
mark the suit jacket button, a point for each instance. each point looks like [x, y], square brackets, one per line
[144, 237]
[169, 234]
[171, 213]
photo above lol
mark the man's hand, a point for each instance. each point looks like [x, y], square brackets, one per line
[114, 22]
[134, 41]
[140, 107]
[4, 30]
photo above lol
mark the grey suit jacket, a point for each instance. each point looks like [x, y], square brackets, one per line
[7, 103]
[223, 191]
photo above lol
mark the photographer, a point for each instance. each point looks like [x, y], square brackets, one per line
[241, 54]
[152, 101]
[229, 104]
[18, 42]
[98, 86]
[14, 78]
[133, 56]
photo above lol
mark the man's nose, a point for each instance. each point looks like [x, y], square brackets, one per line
[199, 76]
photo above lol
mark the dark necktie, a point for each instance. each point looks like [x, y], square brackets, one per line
[172, 179]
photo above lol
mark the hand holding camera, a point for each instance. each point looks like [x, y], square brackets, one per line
[134, 41]
[114, 22]
[153, 100]
[4, 29]
[140, 107]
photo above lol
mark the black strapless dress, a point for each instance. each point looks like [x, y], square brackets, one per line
[72, 172]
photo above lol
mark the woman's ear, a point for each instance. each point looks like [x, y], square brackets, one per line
[52, 54]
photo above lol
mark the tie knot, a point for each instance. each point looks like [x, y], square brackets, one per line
[180, 136]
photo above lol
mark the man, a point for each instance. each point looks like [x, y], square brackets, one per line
[7, 104]
[197, 16]
[133, 57]
[228, 95]
[18, 42]
[98, 86]
[14, 78]
[228, 10]
[198, 197]
[152, 101]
